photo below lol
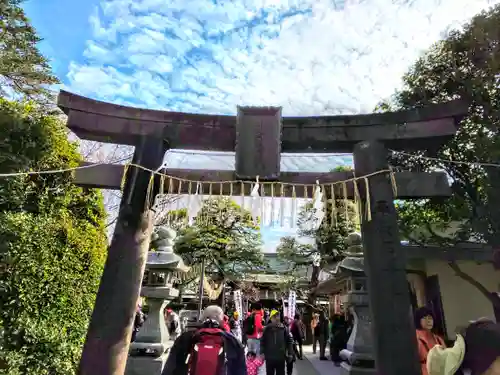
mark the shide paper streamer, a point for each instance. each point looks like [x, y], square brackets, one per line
[173, 197]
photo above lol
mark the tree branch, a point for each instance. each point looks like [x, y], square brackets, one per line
[464, 276]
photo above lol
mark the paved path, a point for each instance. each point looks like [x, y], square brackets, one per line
[303, 367]
[321, 367]
[311, 365]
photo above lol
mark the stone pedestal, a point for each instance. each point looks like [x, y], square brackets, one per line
[358, 357]
[146, 365]
[149, 352]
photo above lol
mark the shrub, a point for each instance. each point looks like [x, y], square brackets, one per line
[52, 246]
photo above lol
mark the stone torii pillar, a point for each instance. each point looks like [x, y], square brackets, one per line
[385, 266]
[108, 339]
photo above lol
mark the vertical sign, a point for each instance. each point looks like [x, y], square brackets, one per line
[238, 303]
[292, 296]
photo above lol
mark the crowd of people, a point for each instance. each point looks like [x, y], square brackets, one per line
[268, 338]
[226, 344]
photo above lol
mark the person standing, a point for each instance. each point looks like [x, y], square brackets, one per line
[299, 334]
[290, 362]
[265, 316]
[323, 335]
[234, 325]
[424, 323]
[338, 338]
[244, 324]
[209, 350]
[276, 345]
[138, 321]
[315, 331]
[225, 324]
[173, 323]
[254, 329]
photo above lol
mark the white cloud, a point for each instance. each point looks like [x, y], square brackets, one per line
[310, 56]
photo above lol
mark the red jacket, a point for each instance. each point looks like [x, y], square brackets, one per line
[259, 328]
[253, 365]
[225, 324]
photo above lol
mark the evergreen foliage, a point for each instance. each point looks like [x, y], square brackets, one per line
[23, 69]
[465, 65]
[52, 246]
[224, 234]
[328, 241]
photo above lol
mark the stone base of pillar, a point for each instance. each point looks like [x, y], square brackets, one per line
[347, 369]
[146, 365]
[356, 364]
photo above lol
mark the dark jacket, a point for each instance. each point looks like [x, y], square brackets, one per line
[232, 323]
[176, 362]
[298, 330]
[339, 332]
[322, 327]
[276, 343]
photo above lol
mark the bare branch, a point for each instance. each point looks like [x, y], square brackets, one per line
[466, 277]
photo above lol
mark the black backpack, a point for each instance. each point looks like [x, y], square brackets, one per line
[250, 325]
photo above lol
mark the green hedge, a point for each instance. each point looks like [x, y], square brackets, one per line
[52, 246]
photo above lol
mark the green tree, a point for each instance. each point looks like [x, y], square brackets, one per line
[325, 242]
[225, 235]
[52, 246]
[465, 65]
[23, 69]
[317, 246]
[175, 219]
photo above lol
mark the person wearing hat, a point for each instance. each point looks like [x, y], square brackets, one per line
[276, 345]
[424, 323]
[234, 325]
[476, 352]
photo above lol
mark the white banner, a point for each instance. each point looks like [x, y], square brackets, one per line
[292, 297]
[238, 303]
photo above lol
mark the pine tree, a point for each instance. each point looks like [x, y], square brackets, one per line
[24, 71]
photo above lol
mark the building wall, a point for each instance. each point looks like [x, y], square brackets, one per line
[461, 301]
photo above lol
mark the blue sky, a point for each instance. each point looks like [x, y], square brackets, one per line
[311, 57]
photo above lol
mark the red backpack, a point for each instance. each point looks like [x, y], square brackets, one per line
[207, 356]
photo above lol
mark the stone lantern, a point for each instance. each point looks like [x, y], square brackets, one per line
[149, 351]
[358, 357]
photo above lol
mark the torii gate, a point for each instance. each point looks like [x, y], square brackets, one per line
[258, 135]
